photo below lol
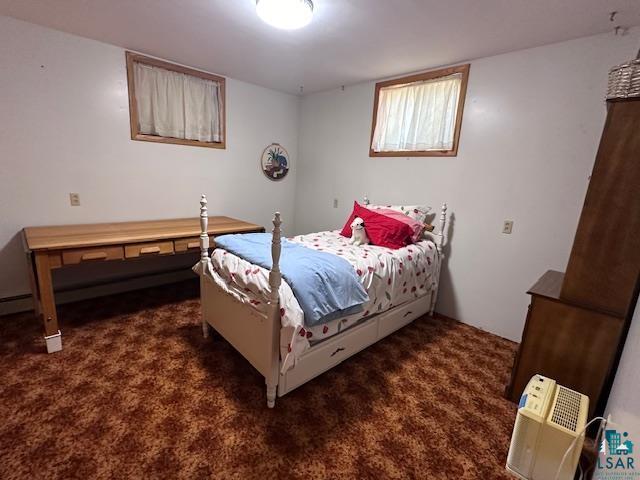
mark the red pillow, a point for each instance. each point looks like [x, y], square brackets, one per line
[346, 230]
[382, 230]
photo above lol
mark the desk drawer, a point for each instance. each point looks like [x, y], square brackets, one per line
[136, 250]
[186, 244]
[72, 257]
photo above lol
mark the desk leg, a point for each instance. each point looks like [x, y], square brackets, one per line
[33, 283]
[47, 302]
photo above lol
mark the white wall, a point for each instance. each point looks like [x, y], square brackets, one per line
[531, 126]
[624, 400]
[64, 127]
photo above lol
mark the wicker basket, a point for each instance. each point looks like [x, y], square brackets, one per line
[624, 80]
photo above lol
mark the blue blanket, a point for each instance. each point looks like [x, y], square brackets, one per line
[325, 285]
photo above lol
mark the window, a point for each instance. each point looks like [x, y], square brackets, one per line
[419, 115]
[173, 104]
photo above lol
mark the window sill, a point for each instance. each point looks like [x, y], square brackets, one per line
[177, 141]
[422, 153]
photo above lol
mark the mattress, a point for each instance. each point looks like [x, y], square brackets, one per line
[390, 277]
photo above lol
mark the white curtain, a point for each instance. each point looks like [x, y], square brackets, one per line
[173, 104]
[417, 116]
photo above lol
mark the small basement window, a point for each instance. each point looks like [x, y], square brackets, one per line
[170, 103]
[419, 115]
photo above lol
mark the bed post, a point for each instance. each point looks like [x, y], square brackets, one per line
[440, 247]
[204, 257]
[443, 225]
[275, 278]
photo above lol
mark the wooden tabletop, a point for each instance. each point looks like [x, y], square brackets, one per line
[89, 235]
[548, 285]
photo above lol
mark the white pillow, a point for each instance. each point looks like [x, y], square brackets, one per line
[416, 212]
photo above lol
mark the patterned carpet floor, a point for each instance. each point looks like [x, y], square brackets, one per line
[138, 393]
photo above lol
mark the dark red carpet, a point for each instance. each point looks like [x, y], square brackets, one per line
[138, 393]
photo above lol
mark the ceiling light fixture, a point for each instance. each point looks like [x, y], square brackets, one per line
[285, 14]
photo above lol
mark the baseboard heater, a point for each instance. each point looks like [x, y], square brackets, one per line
[84, 291]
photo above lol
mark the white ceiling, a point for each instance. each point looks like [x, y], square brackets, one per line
[348, 41]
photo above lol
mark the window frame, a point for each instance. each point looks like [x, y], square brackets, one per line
[419, 77]
[132, 58]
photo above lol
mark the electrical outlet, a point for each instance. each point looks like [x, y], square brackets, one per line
[507, 227]
[74, 199]
[335, 203]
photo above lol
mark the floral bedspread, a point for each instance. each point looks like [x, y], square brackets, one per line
[390, 277]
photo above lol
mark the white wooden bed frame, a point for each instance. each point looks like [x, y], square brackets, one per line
[233, 319]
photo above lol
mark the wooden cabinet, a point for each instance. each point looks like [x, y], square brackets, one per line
[574, 345]
[604, 265]
[578, 321]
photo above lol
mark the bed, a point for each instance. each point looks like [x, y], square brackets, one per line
[258, 313]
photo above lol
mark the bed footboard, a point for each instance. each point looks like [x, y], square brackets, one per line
[255, 335]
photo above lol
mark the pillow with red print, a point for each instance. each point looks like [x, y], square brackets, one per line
[416, 227]
[416, 212]
[382, 230]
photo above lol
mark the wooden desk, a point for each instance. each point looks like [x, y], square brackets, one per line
[48, 248]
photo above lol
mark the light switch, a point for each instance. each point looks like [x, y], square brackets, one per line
[74, 199]
[507, 227]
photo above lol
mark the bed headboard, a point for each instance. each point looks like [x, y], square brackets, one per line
[437, 237]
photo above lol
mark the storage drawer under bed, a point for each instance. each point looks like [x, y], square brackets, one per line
[327, 355]
[332, 351]
[398, 317]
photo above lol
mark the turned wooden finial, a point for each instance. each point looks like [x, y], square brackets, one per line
[276, 245]
[443, 225]
[204, 226]
[203, 206]
[443, 216]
